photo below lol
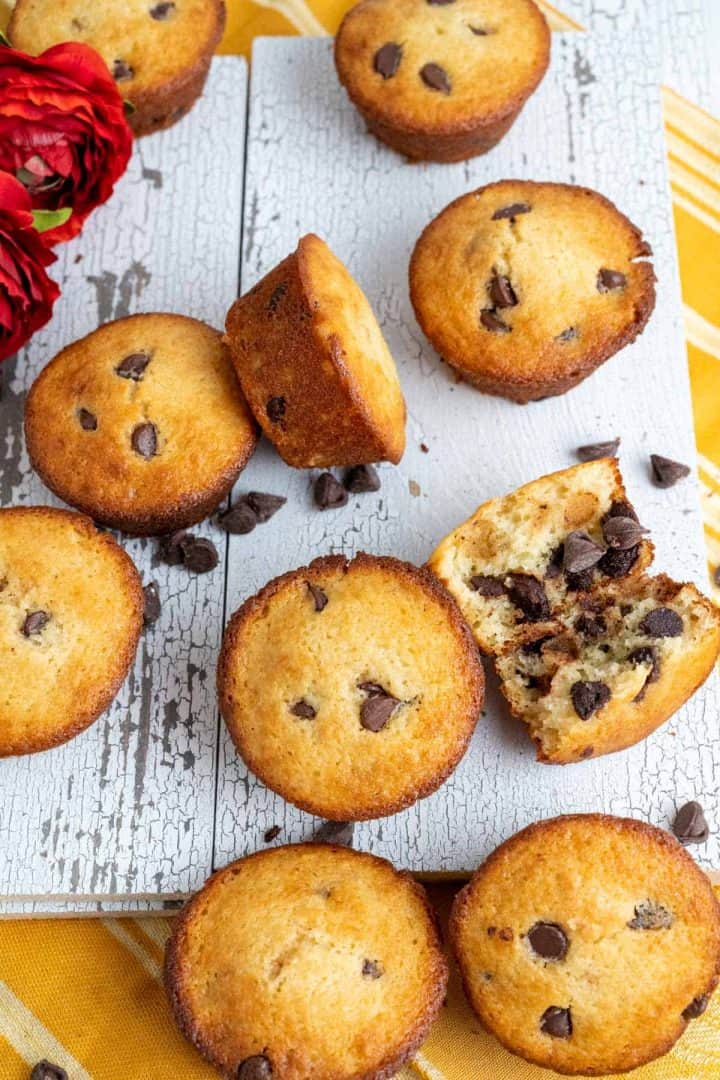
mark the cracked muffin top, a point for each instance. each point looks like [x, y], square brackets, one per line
[307, 961]
[526, 288]
[71, 607]
[587, 943]
[351, 688]
[142, 424]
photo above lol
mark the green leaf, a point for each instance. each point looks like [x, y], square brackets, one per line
[4, 40]
[50, 219]
[129, 107]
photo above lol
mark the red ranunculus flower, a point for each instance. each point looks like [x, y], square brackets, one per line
[27, 294]
[63, 131]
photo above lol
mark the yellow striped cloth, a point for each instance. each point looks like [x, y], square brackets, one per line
[87, 994]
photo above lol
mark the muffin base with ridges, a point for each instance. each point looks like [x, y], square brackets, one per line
[379, 766]
[295, 1065]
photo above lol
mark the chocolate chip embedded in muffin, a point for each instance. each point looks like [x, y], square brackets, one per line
[528, 594]
[696, 1007]
[276, 409]
[144, 440]
[589, 697]
[88, 420]
[651, 915]
[511, 211]
[608, 280]
[257, 1067]
[436, 78]
[121, 71]
[556, 1022]
[548, 940]
[662, 622]
[133, 366]
[371, 969]
[580, 552]
[47, 1070]
[35, 622]
[387, 59]
[319, 597]
[487, 585]
[162, 11]
[303, 709]
[378, 706]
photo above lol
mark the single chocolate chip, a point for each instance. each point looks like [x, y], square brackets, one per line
[556, 1022]
[486, 585]
[579, 582]
[690, 825]
[581, 552]
[35, 621]
[361, 479]
[696, 1007]
[121, 71]
[662, 622]
[387, 59]
[622, 533]
[511, 211]
[376, 710]
[257, 1067]
[271, 834]
[440, 3]
[534, 648]
[264, 504]
[336, 832]
[46, 1070]
[555, 562]
[319, 597]
[88, 420]
[240, 519]
[645, 654]
[716, 576]
[144, 440]
[162, 11]
[620, 508]
[548, 940]
[371, 969]
[200, 555]
[170, 548]
[276, 296]
[527, 593]
[591, 626]
[610, 279]
[303, 709]
[616, 563]
[436, 78]
[329, 493]
[275, 409]
[570, 334]
[493, 322]
[594, 451]
[506, 933]
[589, 697]
[501, 291]
[666, 473]
[133, 366]
[152, 606]
[649, 915]
[587, 752]
[478, 31]
[426, 450]
[372, 688]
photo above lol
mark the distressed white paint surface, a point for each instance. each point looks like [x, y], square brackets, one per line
[128, 806]
[596, 120]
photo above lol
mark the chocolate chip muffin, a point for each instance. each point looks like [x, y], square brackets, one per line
[158, 51]
[314, 365]
[141, 424]
[351, 688]
[441, 80]
[71, 612]
[587, 943]
[526, 288]
[306, 961]
[619, 664]
[516, 563]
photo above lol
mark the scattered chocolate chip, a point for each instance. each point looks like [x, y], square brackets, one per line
[436, 78]
[486, 585]
[696, 1007]
[426, 450]
[506, 933]
[649, 915]
[662, 622]
[501, 291]
[622, 533]
[646, 654]
[46, 1070]
[200, 555]
[666, 473]
[589, 697]
[133, 366]
[170, 548]
[594, 451]
[591, 626]
[152, 606]
[511, 211]
[361, 479]
[121, 71]
[303, 709]
[371, 969]
[162, 11]
[257, 1067]
[690, 825]
[581, 552]
[570, 334]
[336, 832]
[144, 440]
[35, 621]
[493, 322]
[88, 420]
[527, 593]
[387, 59]
[616, 563]
[319, 597]
[275, 409]
[607, 280]
[556, 1022]
[271, 834]
[376, 710]
[240, 519]
[329, 493]
[264, 504]
[548, 940]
